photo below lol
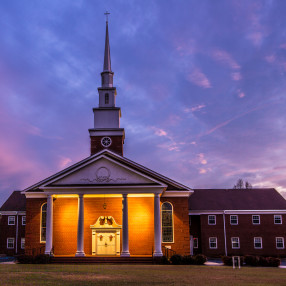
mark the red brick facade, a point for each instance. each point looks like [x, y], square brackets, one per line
[10, 231]
[116, 145]
[181, 242]
[245, 230]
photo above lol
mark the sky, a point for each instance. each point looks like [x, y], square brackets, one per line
[201, 86]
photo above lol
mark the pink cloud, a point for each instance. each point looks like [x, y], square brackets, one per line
[283, 46]
[256, 38]
[241, 94]
[64, 162]
[195, 108]
[225, 58]
[270, 58]
[236, 76]
[202, 171]
[201, 158]
[200, 79]
[158, 131]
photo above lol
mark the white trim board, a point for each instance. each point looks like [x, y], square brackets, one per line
[191, 212]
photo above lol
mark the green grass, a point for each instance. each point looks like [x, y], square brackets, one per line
[59, 274]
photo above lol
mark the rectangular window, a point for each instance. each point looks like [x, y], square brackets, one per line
[106, 98]
[213, 242]
[280, 242]
[212, 219]
[233, 219]
[23, 220]
[22, 243]
[257, 242]
[256, 219]
[196, 242]
[235, 243]
[11, 220]
[10, 242]
[278, 219]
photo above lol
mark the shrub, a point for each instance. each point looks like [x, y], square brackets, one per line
[263, 261]
[200, 259]
[188, 259]
[25, 259]
[273, 261]
[42, 259]
[227, 260]
[251, 260]
[176, 259]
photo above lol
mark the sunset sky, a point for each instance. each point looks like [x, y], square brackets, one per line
[201, 86]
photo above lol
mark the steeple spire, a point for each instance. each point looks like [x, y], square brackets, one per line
[107, 74]
[107, 60]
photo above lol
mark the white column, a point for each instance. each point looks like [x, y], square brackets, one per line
[157, 227]
[125, 237]
[80, 228]
[49, 225]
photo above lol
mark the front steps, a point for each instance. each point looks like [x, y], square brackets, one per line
[101, 260]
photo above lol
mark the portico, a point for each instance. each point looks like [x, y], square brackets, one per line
[124, 228]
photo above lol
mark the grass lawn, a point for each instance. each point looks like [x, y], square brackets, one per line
[112, 274]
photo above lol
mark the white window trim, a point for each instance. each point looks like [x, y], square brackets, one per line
[42, 241]
[235, 242]
[236, 219]
[23, 220]
[173, 241]
[282, 242]
[9, 220]
[280, 219]
[197, 239]
[261, 243]
[214, 220]
[22, 239]
[254, 223]
[13, 242]
[215, 242]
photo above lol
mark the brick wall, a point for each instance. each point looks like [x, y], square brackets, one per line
[181, 225]
[246, 232]
[9, 231]
[32, 233]
[116, 145]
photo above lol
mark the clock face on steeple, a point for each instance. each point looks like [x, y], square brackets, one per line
[106, 141]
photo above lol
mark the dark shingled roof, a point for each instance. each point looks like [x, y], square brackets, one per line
[234, 199]
[16, 202]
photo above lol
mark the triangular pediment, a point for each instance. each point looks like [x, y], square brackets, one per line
[103, 171]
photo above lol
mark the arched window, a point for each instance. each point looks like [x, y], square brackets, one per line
[167, 223]
[43, 222]
[106, 98]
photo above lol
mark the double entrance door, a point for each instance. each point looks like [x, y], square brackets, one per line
[106, 243]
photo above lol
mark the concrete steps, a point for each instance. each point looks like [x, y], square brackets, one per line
[98, 259]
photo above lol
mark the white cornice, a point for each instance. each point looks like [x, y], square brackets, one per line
[13, 212]
[178, 194]
[203, 212]
[34, 195]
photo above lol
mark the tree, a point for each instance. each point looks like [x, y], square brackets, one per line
[241, 185]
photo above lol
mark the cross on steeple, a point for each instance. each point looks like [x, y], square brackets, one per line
[106, 14]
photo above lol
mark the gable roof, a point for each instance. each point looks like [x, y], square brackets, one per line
[171, 185]
[16, 202]
[234, 199]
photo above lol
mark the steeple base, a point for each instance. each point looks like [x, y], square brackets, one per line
[101, 139]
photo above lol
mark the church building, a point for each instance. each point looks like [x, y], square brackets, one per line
[107, 205]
